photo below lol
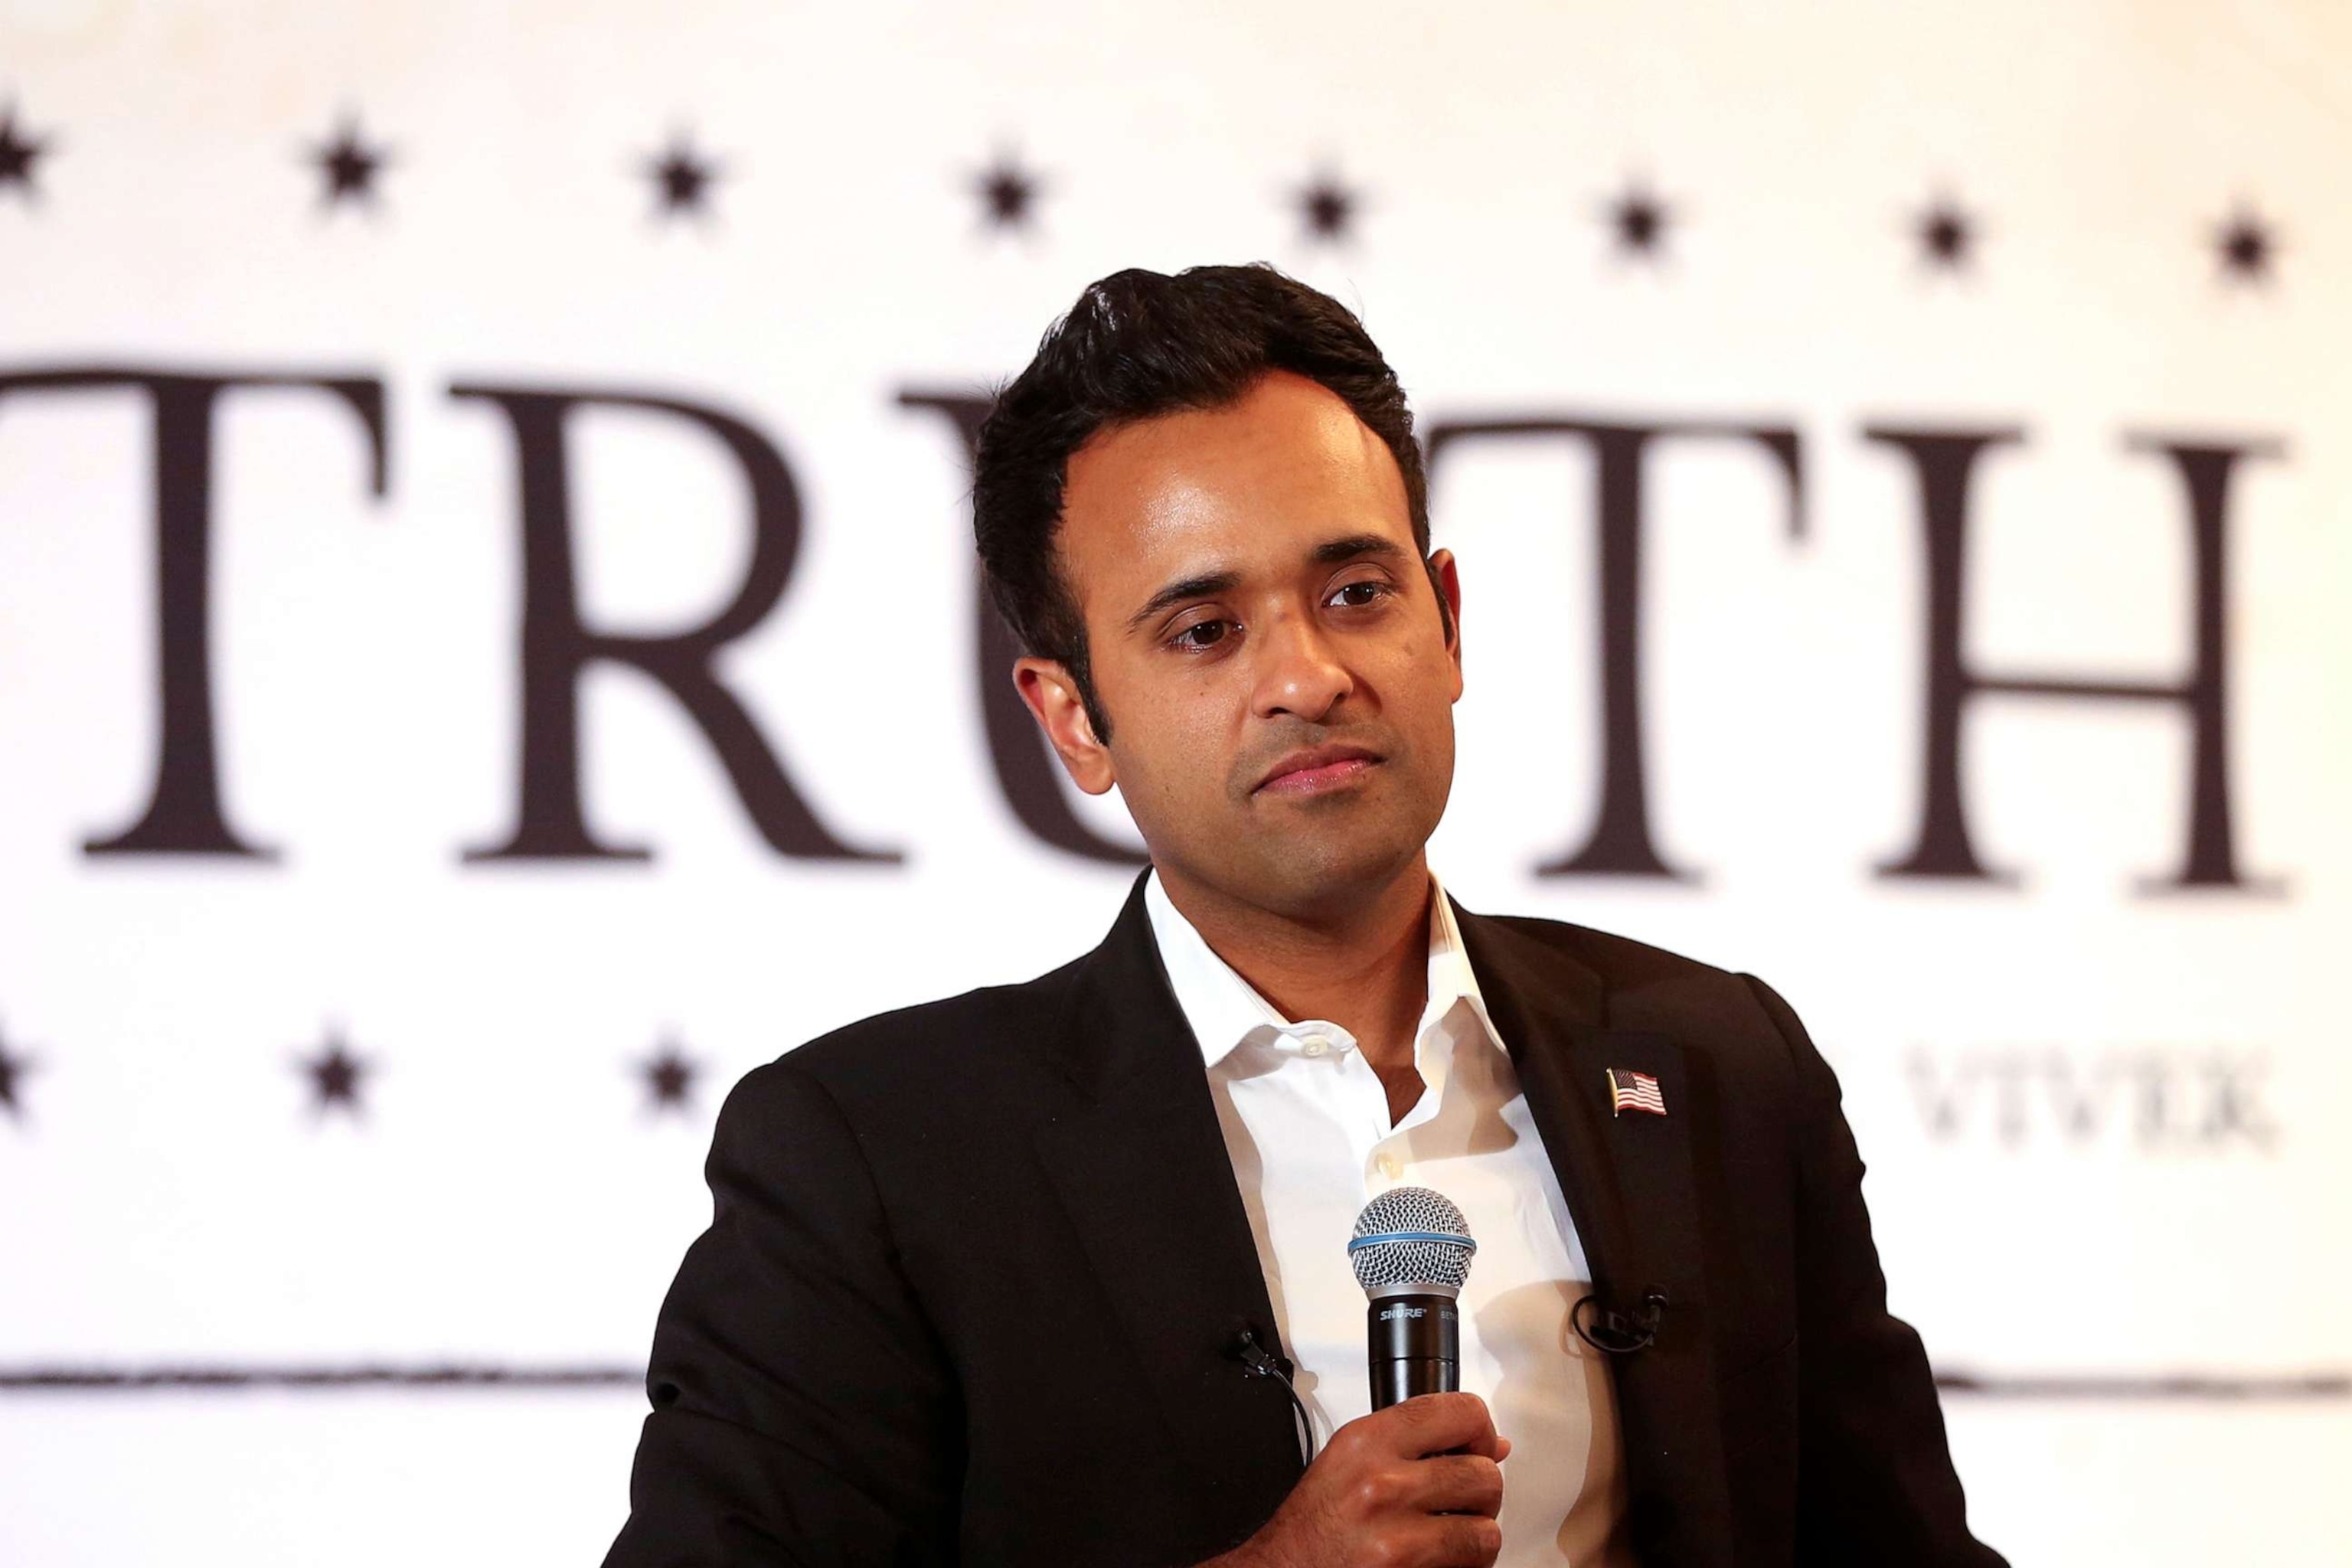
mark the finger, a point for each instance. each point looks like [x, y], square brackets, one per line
[1454, 1543]
[1502, 1449]
[1457, 1483]
[1487, 1448]
[1435, 1423]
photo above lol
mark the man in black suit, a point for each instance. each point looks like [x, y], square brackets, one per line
[1001, 1278]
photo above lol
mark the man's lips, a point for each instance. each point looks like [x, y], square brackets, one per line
[1318, 767]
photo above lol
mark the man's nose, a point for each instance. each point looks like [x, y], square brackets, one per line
[1301, 674]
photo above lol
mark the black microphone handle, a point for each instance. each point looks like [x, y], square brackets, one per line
[1414, 1345]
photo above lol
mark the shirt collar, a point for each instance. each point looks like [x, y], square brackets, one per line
[1226, 1011]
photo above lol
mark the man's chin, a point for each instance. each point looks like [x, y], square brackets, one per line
[1317, 882]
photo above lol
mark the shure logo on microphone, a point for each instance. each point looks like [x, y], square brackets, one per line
[1390, 1314]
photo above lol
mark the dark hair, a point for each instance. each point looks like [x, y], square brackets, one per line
[1138, 346]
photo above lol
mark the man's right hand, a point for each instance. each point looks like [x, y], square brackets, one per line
[1415, 1486]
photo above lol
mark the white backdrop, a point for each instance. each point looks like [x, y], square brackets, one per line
[2105, 1123]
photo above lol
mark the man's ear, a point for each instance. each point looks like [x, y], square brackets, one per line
[1047, 686]
[1446, 578]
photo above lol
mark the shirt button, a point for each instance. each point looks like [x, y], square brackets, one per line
[1316, 1045]
[1391, 1166]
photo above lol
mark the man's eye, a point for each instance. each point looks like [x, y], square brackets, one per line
[1356, 596]
[1201, 633]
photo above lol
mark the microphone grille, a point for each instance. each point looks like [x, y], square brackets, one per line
[1411, 1236]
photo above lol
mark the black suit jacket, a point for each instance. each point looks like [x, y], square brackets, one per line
[975, 1267]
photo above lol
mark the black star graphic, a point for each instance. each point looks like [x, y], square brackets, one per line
[1008, 193]
[335, 1075]
[682, 178]
[13, 1071]
[669, 1079]
[350, 165]
[18, 154]
[1639, 219]
[1947, 237]
[2247, 245]
[1328, 207]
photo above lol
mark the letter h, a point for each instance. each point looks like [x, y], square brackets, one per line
[1944, 461]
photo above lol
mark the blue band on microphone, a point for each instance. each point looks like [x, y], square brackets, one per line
[1463, 1242]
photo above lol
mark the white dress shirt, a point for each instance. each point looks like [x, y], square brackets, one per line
[1306, 1121]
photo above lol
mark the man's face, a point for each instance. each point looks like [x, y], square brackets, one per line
[1266, 647]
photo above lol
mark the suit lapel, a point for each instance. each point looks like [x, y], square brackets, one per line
[1141, 1168]
[1630, 1189]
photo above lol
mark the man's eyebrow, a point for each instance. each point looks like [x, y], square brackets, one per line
[1206, 585]
[1355, 547]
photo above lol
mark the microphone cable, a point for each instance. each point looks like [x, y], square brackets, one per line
[1256, 1363]
[1617, 1333]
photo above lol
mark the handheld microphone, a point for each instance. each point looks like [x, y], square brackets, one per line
[1411, 1254]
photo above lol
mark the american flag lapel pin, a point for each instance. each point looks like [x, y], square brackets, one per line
[1631, 1091]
